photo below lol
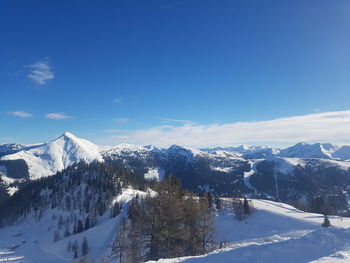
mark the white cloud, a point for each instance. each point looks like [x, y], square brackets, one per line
[58, 116]
[168, 120]
[40, 72]
[118, 100]
[323, 127]
[21, 114]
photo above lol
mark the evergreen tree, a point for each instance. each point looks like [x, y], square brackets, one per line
[56, 236]
[120, 246]
[84, 247]
[80, 227]
[218, 203]
[326, 222]
[87, 223]
[75, 249]
[69, 246]
[246, 208]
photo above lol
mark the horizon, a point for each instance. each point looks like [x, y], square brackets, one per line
[184, 146]
[196, 74]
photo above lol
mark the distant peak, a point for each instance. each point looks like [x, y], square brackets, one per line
[68, 135]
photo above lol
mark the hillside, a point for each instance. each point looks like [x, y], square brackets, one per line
[272, 233]
[277, 232]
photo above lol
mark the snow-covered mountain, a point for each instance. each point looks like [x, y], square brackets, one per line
[304, 150]
[248, 150]
[302, 169]
[299, 150]
[9, 148]
[342, 153]
[48, 158]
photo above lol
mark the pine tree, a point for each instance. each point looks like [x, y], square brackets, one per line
[120, 245]
[69, 246]
[218, 203]
[87, 223]
[246, 208]
[80, 227]
[326, 222]
[115, 210]
[84, 247]
[206, 225]
[75, 249]
[56, 236]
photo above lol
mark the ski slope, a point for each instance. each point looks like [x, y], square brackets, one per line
[275, 232]
[32, 241]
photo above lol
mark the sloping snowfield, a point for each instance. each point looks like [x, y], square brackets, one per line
[275, 232]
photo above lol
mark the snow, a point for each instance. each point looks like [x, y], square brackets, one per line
[32, 240]
[221, 169]
[155, 174]
[304, 150]
[48, 158]
[342, 153]
[277, 233]
[8, 180]
[248, 174]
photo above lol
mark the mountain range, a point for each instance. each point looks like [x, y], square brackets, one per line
[289, 174]
[55, 196]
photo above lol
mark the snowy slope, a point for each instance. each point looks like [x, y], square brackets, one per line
[277, 233]
[9, 148]
[247, 151]
[304, 150]
[274, 233]
[48, 158]
[342, 153]
[31, 241]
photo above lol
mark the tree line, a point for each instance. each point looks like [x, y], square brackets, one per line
[172, 223]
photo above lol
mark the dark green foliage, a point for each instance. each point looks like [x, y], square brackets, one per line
[318, 205]
[173, 223]
[326, 222]
[218, 203]
[16, 168]
[84, 247]
[87, 223]
[80, 227]
[246, 207]
[115, 210]
[75, 249]
[87, 188]
[3, 193]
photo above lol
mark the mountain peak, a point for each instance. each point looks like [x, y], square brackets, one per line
[68, 135]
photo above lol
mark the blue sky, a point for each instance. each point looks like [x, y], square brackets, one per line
[112, 71]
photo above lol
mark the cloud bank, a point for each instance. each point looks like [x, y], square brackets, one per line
[324, 127]
[40, 72]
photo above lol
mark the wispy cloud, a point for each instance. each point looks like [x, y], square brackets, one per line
[21, 114]
[327, 126]
[58, 116]
[118, 100]
[40, 72]
[168, 120]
